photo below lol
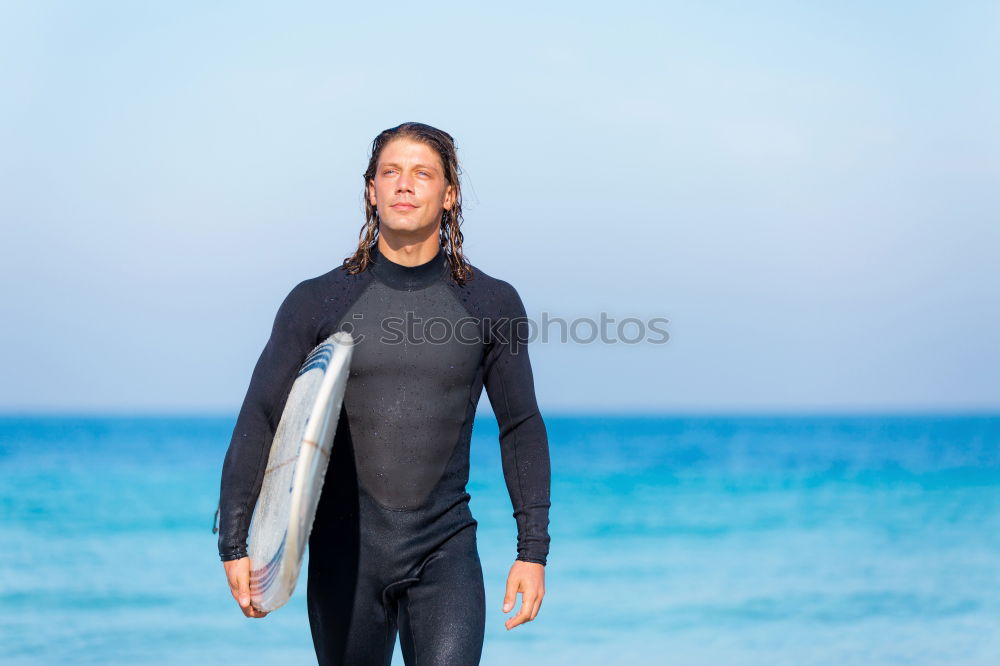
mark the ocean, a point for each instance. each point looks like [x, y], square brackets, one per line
[687, 540]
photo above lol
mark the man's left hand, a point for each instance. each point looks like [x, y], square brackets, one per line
[528, 578]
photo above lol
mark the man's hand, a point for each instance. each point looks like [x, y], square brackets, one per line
[528, 578]
[238, 573]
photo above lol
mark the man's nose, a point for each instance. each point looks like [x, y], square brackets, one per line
[404, 183]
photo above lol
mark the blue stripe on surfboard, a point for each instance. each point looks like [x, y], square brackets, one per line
[323, 350]
[319, 358]
[271, 568]
[322, 354]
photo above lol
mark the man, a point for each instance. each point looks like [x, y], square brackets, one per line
[393, 546]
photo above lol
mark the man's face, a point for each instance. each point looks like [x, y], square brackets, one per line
[409, 188]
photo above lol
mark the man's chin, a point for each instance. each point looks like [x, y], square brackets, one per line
[405, 228]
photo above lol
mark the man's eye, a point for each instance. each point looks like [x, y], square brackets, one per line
[424, 172]
[386, 172]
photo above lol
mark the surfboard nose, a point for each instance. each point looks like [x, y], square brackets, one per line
[343, 338]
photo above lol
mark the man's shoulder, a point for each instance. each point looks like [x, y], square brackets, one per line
[334, 284]
[337, 275]
[488, 294]
[483, 280]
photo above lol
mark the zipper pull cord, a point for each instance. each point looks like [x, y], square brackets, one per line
[215, 523]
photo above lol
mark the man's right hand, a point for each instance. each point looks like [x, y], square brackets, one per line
[238, 573]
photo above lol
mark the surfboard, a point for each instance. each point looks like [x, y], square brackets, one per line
[296, 466]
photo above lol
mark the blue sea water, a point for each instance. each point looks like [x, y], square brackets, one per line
[675, 540]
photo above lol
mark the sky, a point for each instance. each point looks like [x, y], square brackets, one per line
[809, 193]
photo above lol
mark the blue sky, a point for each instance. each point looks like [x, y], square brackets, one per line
[809, 192]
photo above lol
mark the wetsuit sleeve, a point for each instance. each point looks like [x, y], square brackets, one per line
[293, 335]
[524, 445]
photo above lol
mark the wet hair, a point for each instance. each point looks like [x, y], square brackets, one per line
[451, 220]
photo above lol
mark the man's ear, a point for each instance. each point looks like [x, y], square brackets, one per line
[449, 197]
[371, 192]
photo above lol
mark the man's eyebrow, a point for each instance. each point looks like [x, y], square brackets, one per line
[415, 166]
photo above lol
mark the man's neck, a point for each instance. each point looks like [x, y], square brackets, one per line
[407, 251]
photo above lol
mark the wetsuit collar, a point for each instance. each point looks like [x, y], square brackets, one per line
[398, 276]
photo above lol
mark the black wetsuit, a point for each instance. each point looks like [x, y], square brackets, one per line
[393, 546]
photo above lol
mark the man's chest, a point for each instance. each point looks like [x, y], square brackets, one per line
[423, 337]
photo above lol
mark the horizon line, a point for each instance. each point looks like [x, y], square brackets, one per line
[577, 413]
